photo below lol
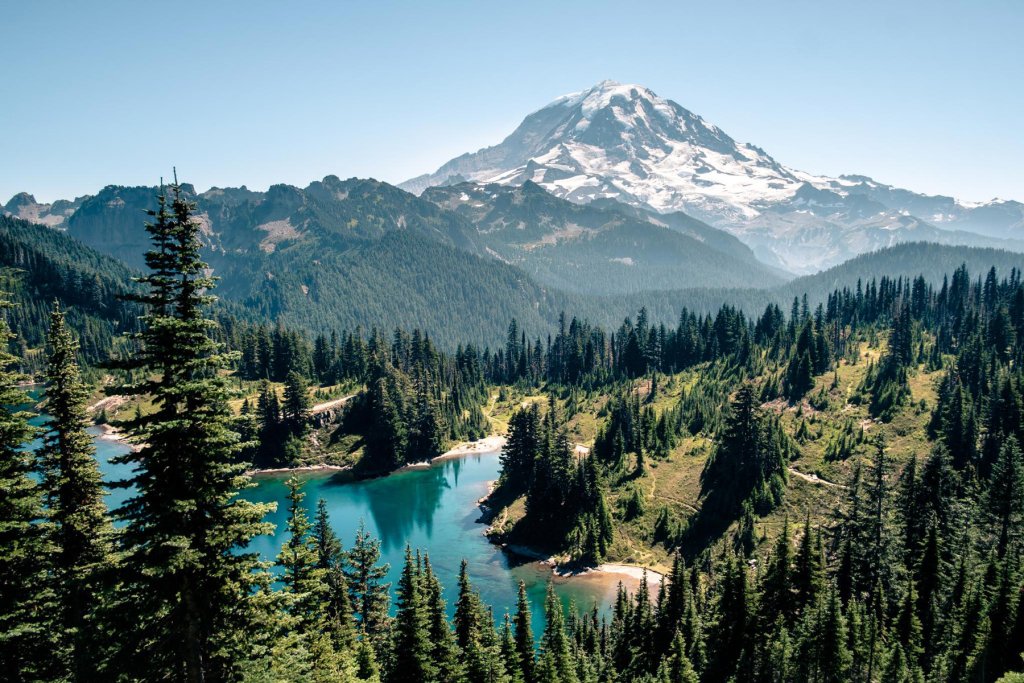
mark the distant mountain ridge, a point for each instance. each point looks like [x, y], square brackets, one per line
[237, 221]
[334, 252]
[402, 279]
[601, 248]
[624, 142]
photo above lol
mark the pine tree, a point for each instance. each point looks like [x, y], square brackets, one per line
[330, 560]
[23, 591]
[908, 626]
[524, 635]
[412, 647]
[1006, 496]
[676, 668]
[80, 533]
[445, 653]
[305, 592]
[555, 664]
[509, 654]
[467, 610]
[188, 589]
[368, 596]
[808, 573]
[730, 632]
[300, 576]
[297, 404]
[833, 655]
[776, 595]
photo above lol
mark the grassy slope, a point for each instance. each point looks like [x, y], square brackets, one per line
[675, 482]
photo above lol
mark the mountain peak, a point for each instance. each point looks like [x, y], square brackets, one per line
[19, 200]
[601, 94]
[623, 141]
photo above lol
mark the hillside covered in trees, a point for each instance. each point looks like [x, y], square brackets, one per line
[833, 489]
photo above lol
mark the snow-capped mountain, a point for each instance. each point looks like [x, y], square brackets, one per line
[624, 142]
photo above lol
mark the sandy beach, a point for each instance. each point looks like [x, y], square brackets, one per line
[489, 444]
[632, 573]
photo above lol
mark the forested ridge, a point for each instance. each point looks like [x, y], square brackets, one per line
[339, 254]
[835, 491]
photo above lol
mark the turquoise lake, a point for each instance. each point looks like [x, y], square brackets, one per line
[433, 509]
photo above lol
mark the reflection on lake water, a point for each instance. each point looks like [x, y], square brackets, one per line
[431, 508]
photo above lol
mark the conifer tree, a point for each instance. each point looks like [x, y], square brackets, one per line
[297, 404]
[776, 597]
[555, 664]
[1006, 496]
[730, 632]
[808, 572]
[509, 655]
[305, 595]
[524, 635]
[833, 655]
[80, 533]
[23, 592]
[188, 589]
[412, 648]
[676, 668]
[330, 560]
[367, 594]
[445, 653]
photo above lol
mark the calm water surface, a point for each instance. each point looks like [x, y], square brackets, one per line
[433, 509]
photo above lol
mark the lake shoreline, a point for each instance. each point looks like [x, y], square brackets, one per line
[603, 570]
[488, 444]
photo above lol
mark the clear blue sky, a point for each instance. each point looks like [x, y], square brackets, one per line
[925, 95]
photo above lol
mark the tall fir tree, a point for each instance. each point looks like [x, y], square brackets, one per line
[412, 653]
[24, 599]
[368, 593]
[187, 586]
[305, 593]
[80, 533]
[330, 560]
[524, 635]
[555, 664]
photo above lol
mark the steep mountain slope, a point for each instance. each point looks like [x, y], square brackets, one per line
[39, 265]
[55, 215]
[336, 212]
[605, 248]
[624, 142]
[401, 280]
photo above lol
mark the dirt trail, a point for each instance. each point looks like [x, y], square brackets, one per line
[814, 478]
[327, 405]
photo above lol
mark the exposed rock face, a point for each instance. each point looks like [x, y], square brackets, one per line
[624, 142]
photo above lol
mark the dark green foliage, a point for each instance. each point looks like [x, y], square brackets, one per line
[565, 500]
[24, 594]
[524, 636]
[368, 596]
[307, 625]
[39, 265]
[79, 531]
[916, 577]
[747, 466]
[554, 664]
[412, 649]
[330, 559]
[416, 402]
[187, 591]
